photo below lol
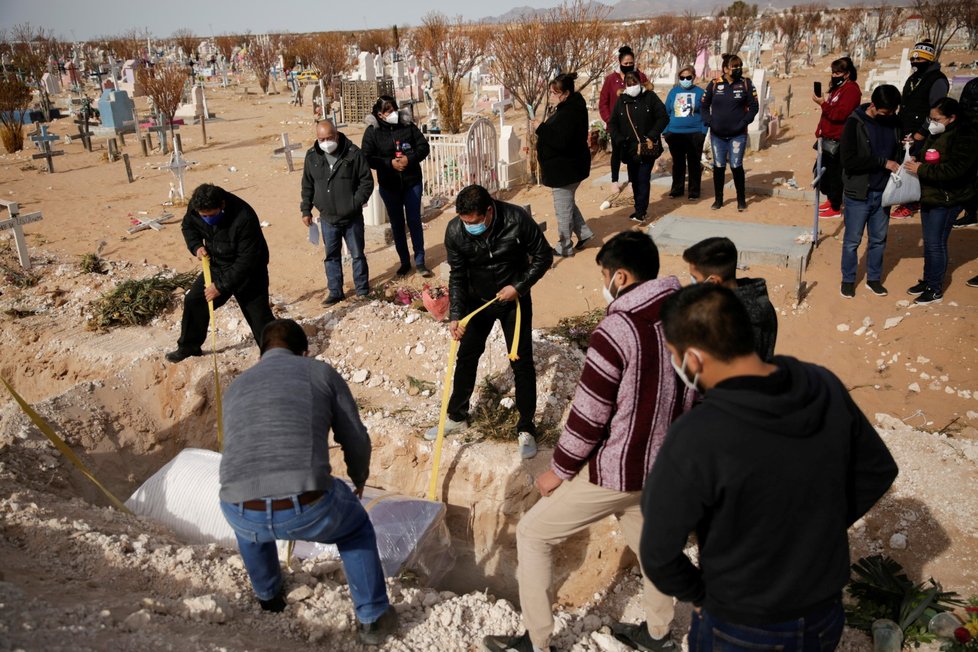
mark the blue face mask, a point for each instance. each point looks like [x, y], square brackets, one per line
[213, 219]
[475, 229]
[686, 83]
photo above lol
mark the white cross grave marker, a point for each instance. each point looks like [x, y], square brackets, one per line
[286, 150]
[156, 223]
[177, 165]
[17, 222]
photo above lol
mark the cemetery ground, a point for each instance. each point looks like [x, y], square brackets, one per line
[79, 575]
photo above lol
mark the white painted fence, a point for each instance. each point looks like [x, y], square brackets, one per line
[458, 160]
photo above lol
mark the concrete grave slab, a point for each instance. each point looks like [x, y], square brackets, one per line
[757, 244]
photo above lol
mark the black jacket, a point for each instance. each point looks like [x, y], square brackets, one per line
[382, 140]
[752, 292]
[918, 95]
[339, 194]
[648, 114]
[769, 472]
[236, 245]
[512, 251]
[950, 181]
[728, 107]
[562, 146]
[857, 156]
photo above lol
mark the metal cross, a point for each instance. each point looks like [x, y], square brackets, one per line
[177, 165]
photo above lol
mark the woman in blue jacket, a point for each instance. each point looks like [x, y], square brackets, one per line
[685, 133]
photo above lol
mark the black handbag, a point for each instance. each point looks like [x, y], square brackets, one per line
[643, 150]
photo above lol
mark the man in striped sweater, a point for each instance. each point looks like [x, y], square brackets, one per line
[627, 397]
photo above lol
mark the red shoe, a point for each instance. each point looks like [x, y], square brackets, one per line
[830, 212]
[825, 205]
[901, 213]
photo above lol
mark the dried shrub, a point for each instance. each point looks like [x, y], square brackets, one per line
[91, 263]
[577, 330]
[19, 278]
[493, 420]
[15, 100]
[262, 54]
[164, 85]
[137, 302]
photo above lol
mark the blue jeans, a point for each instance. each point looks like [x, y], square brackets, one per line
[640, 176]
[405, 205]
[936, 223]
[728, 150]
[333, 237]
[819, 633]
[337, 517]
[860, 215]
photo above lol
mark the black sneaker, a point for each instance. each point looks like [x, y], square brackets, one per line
[510, 643]
[675, 193]
[182, 354]
[425, 272]
[637, 217]
[920, 288]
[560, 254]
[403, 270]
[583, 242]
[717, 204]
[693, 195]
[741, 205]
[876, 288]
[275, 605]
[376, 632]
[972, 282]
[929, 296]
[848, 290]
[965, 220]
[332, 301]
[637, 637]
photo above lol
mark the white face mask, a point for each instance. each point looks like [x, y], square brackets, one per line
[328, 146]
[681, 371]
[936, 128]
[633, 90]
[692, 280]
[392, 118]
[608, 296]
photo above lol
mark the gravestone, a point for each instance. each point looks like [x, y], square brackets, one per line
[51, 83]
[197, 106]
[365, 67]
[16, 222]
[374, 211]
[512, 165]
[757, 130]
[115, 107]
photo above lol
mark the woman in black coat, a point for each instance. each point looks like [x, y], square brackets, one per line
[639, 116]
[395, 147]
[565, 160]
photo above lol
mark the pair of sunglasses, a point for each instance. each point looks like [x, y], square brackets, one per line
[687, 78]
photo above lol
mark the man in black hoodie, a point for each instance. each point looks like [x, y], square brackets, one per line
[336, 179]
[769, 471]
[225, 229]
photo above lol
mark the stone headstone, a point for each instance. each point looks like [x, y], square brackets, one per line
[365, 67]
[116, 108]
[757, 130]
[51, 83]
[512, 165]
[196, 107]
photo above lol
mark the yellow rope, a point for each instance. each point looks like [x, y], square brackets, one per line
[206, 263]
[59, 443]
[447, 387]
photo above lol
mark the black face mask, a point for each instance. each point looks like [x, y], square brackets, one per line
[736, 74]
[835, 82]
[627, 69]
[920, 67]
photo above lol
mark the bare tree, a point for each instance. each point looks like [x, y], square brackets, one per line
[451, 50]
[685, 36]
[125, 45]
[32, 47]
[741, 21]
[187, 41]
[261, 58]
[326, 52]
[942, 20]
[164, 85]
[373, 40]
[225, 44]
[969, 18]
[793, 26]
[578, 39]
[879, 24]
[15, 99]
[288, 47]
[843, 26]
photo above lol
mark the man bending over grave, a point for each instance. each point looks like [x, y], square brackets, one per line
[336, 179]
[223, 227]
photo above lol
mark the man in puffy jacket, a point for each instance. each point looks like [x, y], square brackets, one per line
[224, 228]
[336, 179]
[496, 251]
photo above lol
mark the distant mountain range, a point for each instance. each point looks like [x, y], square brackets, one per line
[632, 9]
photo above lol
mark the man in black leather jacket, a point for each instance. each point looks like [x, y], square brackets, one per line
[495, 250]
[223, 227]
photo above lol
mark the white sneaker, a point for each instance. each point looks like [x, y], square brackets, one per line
[450, 426]
[528, 445]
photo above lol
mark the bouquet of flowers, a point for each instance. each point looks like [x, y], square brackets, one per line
[965, 635]
[436, 301]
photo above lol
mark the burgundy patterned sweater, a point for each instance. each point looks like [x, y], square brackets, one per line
[627, 396]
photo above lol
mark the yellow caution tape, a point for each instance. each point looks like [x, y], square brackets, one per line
[59, 443]
[447, 387]
[206, 262]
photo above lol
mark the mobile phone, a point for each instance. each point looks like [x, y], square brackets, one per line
[818, 89]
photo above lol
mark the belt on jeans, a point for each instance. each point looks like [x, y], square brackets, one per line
[306, 498]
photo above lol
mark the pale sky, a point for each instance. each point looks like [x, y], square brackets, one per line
[87, 19]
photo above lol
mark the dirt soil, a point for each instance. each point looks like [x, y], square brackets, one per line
[77, 574]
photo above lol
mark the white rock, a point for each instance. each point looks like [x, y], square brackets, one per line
[419, 349]
[903, 303]
[412, 317]
[922, 360]
[898, 541]
[913, 387]
[842, 328]
[137, 621]
[860, 331]
[867, 321]
[949, 390]
[299, 594]
[507, 402]
[891, 322]
[209, 608]
[359, 376]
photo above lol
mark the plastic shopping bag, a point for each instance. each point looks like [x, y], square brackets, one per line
[903, 187]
